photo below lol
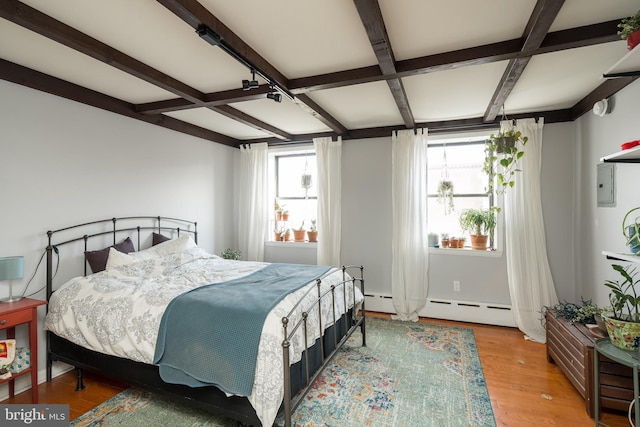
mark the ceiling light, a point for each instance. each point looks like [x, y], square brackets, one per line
[248, 85]
[209, 35]
[275, 96]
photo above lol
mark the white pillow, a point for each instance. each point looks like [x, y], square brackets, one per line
[172, 246]
[117, 258]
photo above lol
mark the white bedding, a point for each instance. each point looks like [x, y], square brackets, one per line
[118, 311]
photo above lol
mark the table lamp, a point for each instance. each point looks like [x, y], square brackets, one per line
[11, 268]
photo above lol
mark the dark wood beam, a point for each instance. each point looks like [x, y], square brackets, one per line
[373, 22]
[250, 121]
[39, 81]
[210, 100]
[544, 13]
[36, 21]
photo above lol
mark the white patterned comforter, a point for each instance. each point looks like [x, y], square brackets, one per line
[118, 312]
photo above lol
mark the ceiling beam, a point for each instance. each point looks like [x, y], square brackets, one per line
[373, 22]
[38, 22]
[544, 13]
[194, 14]
[43, 82]
[589, 35]
[250, 121]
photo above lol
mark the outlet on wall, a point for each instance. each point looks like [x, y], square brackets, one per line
[456, 286]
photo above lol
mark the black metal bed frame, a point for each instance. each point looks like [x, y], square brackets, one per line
[298, 379]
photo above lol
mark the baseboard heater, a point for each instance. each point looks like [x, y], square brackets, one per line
[462, 311]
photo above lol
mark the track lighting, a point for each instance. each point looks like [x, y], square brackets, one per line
[275, 96]
[248, 85]
[209, 35]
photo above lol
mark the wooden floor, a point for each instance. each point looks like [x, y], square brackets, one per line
[516, 371]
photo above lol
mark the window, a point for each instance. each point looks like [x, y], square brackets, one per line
[294, 189]
[460, 162]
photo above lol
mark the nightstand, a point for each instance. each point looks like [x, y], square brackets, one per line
[12, 314]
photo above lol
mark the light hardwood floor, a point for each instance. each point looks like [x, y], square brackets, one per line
[516, 371]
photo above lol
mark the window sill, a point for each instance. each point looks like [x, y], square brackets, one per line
[290, 244]
[465, 252]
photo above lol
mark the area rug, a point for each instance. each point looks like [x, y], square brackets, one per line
[410, 374]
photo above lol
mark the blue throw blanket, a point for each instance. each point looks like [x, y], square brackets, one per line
[210, 335]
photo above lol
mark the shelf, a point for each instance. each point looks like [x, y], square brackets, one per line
[621, 257]
[628, 65]
[632, 155]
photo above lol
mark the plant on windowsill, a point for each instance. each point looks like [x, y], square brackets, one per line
[630, 30]
[444, 240]
[503, 151]
[299, 234]
[623, 323]
[479, 223]
[312, 233]
[231, 254]
[445, 195]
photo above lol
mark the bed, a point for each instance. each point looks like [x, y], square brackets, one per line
[167, 317]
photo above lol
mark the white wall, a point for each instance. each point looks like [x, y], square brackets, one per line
[599, 229]
[63, 163]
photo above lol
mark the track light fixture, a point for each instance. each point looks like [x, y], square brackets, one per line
[275, 96]
[248, 85]
[209, 35]
[273, 93]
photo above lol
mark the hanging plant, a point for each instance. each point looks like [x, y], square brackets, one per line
[445, 195]
[505, 150]
[306, 181]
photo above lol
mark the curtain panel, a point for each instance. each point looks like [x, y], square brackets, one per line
[530, 283]
[410, 252]
[252, 200]
[329, 162]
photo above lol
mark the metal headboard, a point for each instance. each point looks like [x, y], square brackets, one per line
[151, 223]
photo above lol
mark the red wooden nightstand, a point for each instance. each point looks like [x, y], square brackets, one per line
[17, 313]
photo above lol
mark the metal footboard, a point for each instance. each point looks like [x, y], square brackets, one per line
[350, 321]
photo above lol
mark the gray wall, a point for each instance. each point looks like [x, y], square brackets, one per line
[599, 229]
[367, 226]
[63, 163]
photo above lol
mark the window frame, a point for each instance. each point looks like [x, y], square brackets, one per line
[495, 243]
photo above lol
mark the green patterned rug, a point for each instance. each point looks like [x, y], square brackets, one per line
[410, 374]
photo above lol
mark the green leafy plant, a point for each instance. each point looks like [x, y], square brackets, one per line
[445, 195]
[629, 25]
[584, 312]
[505, 150]
[623, 296]
[231, 254]
[478, 221]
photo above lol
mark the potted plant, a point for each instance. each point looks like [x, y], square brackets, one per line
[312, 233]
[632, 232]
[278, 233]
[444, 240]
[453, 242]
[231, 254]
[286, 234]
[623, 323]
[630, 30]
[285, 215]
[299, 234]
[505, 150]
[445, 195]
[461, 241]
[479, 223]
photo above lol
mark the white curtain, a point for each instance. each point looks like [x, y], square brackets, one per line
[329, 161]
[530, 282]
[252, 203]
[410, 253]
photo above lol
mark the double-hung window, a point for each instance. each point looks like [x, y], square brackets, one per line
[456, 181]
[294, 191]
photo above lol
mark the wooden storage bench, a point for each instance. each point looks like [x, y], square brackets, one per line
[570, 346]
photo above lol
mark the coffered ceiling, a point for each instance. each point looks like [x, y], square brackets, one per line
[354, 68]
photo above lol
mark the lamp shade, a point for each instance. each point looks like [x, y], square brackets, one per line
[11, 267]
